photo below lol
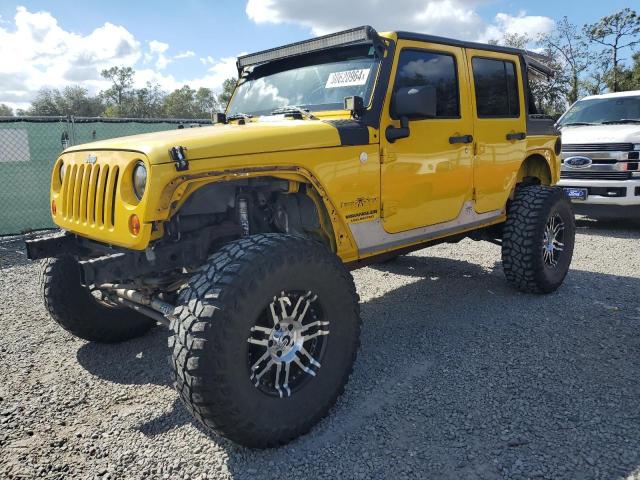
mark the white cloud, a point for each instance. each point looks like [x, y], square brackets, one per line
[453, 18]
[187, 54]
[37, 52]
[521, 24]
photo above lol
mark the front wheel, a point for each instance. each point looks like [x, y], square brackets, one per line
[538, 239]
[265, 338]
[75, 309]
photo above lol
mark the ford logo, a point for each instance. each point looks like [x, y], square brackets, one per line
[578, 162]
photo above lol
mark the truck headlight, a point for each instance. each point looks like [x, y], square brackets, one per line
[139, 179]
[636, 147]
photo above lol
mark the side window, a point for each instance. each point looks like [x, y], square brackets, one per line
[417, 68]
[496, 86]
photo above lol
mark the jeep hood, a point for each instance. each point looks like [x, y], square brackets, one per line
[601, 134]
[224, 140]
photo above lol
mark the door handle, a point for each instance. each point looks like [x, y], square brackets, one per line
[461, 139]
[516, 136]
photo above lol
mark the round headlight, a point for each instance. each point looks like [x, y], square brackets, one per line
[61, 172]
[139, 179]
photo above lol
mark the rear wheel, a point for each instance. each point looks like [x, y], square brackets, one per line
[538, 239]
[265, 338]
[75, 309]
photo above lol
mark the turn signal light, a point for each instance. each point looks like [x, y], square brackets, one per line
[134, 225]
[54, 207]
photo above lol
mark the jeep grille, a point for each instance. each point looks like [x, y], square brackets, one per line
[89, 193]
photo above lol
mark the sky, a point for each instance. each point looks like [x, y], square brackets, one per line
[56, 43]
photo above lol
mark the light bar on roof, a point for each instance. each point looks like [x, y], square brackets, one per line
[348, 37]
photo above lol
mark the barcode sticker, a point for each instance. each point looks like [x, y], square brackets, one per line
[348, 78]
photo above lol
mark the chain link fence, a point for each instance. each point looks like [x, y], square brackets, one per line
[29, 146]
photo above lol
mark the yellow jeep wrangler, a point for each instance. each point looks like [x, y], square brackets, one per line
[334, 153]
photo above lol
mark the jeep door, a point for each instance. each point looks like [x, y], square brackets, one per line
[499, 125]
[427, 177]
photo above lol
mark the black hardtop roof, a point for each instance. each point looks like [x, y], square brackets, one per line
[423, 37]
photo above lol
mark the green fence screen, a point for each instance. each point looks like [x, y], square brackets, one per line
[29, 146]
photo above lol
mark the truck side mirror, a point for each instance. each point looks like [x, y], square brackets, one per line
[408, 103]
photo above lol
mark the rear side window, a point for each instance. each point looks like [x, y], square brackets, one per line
[496, 86]
[417, 68]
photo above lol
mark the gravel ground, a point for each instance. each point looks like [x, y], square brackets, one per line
[458, 376]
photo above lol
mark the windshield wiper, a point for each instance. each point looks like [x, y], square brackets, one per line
[295, 112]
[575, 124]
[622, 120]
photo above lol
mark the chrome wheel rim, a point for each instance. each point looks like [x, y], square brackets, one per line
[553, 240]
[287, 344]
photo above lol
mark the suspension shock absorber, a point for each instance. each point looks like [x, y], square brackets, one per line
[243, 215]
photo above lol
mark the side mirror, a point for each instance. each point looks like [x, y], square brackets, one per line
[218, 117]
[411, 102]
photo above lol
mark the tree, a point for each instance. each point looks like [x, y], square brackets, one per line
[572, 49]
[549, 92]
[228, 86]
[615, 32]
[596, 84]
[5, 110]
[73, 100]
[180, 103]
[147, 102]
[118, 95]
[186, 102]
[515, 40]
[628, 78]
[205, 103]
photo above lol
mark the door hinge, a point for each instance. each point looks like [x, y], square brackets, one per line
[388, 208]
[387, 157]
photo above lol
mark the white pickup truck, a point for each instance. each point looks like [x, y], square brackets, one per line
[601, 155]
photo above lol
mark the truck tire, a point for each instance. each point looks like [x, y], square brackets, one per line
[538, 239]
[75, 309]
[264, 338]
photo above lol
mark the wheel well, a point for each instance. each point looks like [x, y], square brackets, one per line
[534, 170]
[258, 205]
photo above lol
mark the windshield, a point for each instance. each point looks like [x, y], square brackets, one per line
[314, 82]
[603, 110]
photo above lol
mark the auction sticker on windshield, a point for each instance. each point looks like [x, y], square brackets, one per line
[348, 78]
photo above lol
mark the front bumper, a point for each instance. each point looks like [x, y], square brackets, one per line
[621, 193]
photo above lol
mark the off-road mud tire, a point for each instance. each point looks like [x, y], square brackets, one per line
[76, 310]
[212, 323]
[523, 235]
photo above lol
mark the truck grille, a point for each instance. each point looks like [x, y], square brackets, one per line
[595, 175]
[89, 193]
[597, 147]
